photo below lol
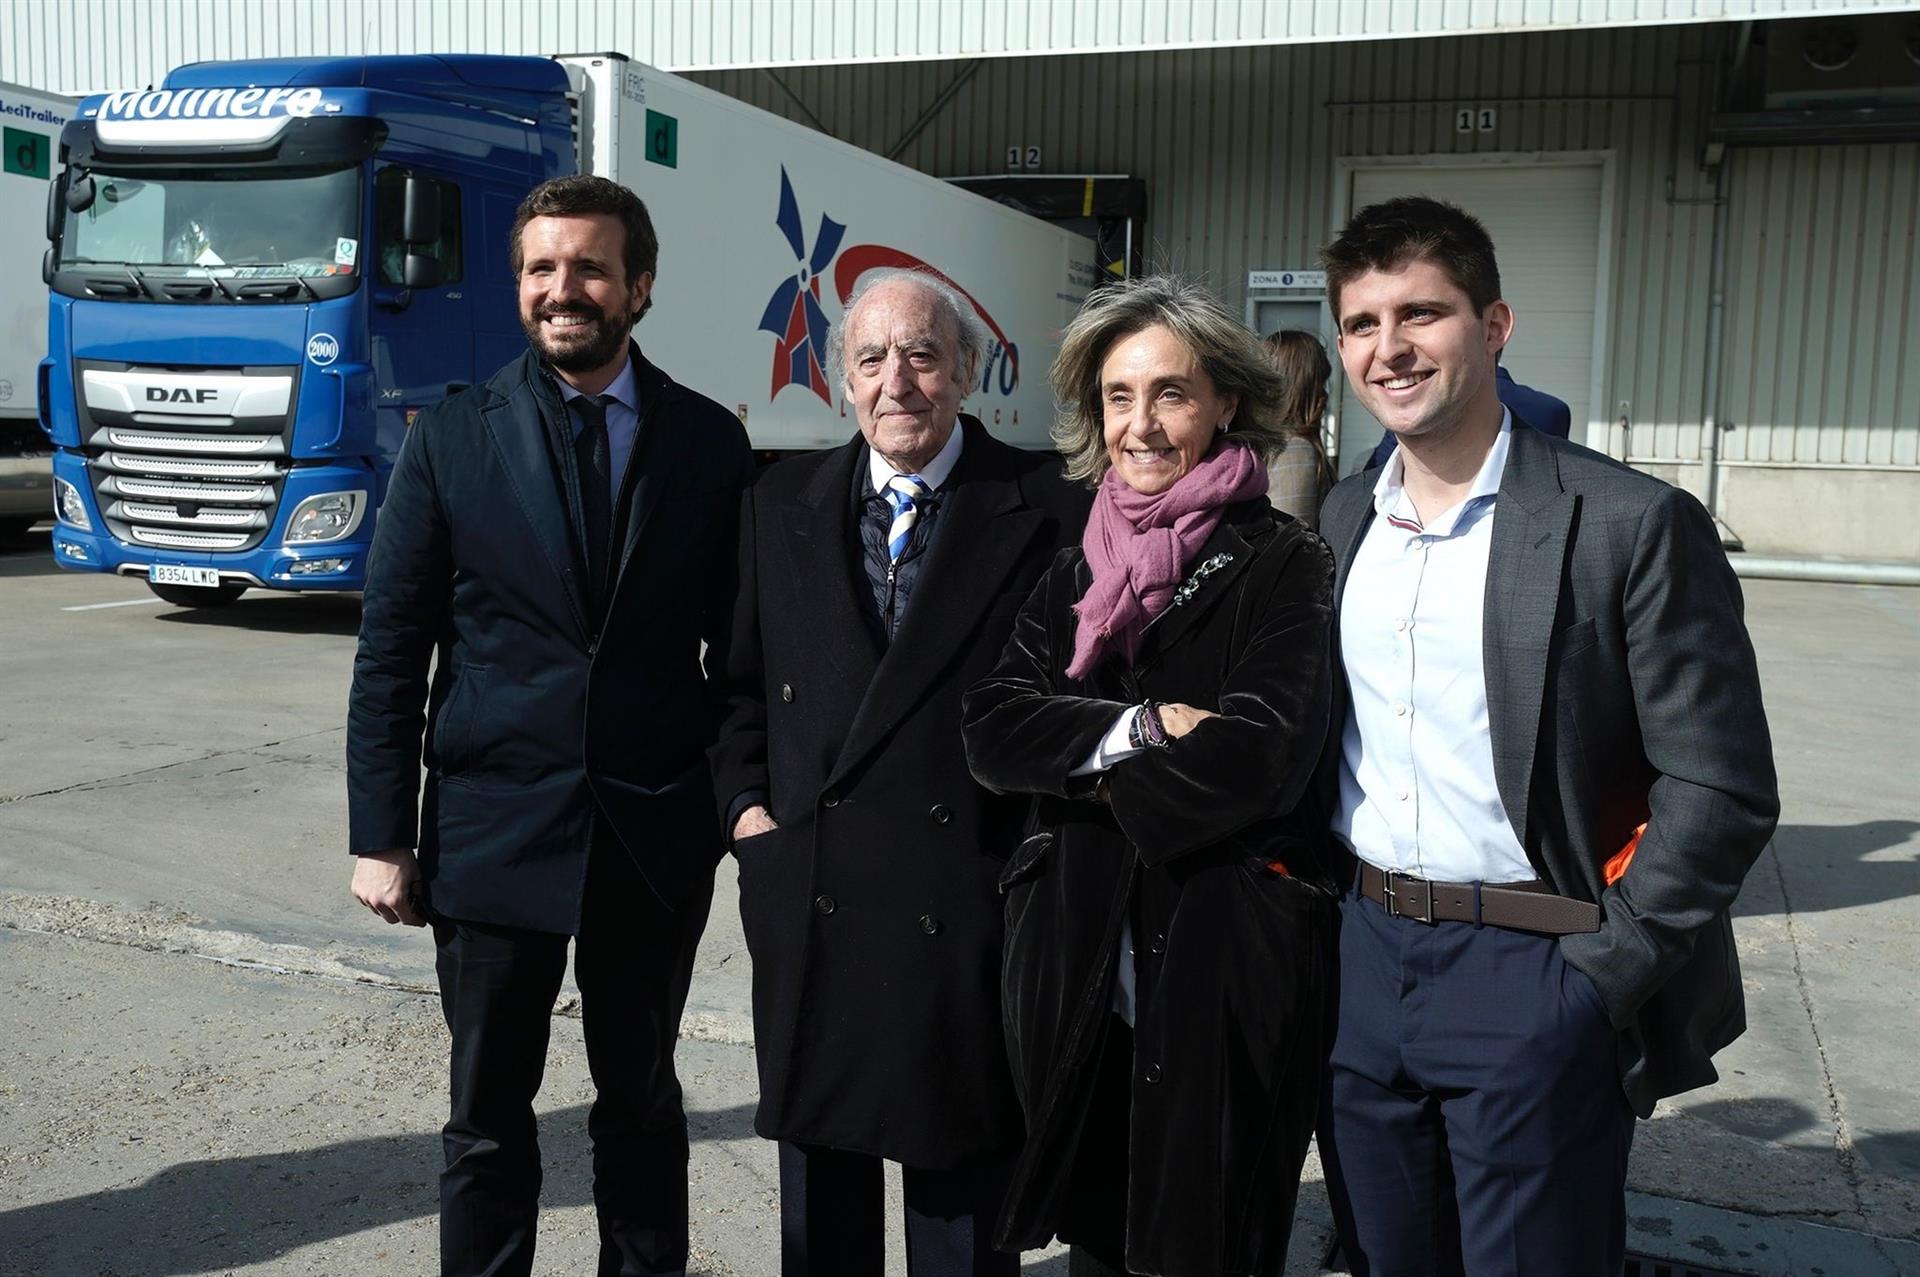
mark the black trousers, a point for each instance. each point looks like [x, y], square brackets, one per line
[633, 960]
[832, 1221]
[1474, 1120]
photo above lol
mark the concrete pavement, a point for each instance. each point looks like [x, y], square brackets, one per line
[186, 968]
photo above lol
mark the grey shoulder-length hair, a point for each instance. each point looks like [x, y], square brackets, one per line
[1227, 349]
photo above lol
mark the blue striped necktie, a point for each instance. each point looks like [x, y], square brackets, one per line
[905, 492]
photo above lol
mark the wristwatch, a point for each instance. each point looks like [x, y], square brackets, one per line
[1148, 732]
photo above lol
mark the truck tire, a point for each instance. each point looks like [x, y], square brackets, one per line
[198, 595]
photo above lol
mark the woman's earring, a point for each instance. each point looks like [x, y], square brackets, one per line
[1226, 425]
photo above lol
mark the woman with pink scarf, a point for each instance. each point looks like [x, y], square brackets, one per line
[1164, 698]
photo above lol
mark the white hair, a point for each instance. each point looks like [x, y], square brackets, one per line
[975, 340]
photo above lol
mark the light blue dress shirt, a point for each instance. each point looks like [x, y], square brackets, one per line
[1417, 787]
[623, 420]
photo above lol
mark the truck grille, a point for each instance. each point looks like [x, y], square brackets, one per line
[187, 459]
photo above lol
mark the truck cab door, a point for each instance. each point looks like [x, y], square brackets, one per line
[422, 338]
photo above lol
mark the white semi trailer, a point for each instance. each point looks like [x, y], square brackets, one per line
[30, 123]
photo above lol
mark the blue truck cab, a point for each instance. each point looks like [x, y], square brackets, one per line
[259, 273]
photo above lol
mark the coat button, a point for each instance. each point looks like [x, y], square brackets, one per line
[786, 691]
[831, 798]
[824, 905]
[940, 813]
[1151, 1073]
[930, 924]
[1158, 944]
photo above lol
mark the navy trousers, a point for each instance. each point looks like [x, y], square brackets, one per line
[1474, 1121]
[633, 961]
[832, 1222]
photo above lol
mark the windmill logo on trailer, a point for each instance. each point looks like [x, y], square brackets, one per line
[799, 325]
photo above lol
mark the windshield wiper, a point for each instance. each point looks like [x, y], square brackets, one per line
[139, 280]
[215, 281]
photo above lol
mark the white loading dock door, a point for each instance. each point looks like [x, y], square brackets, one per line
[1545, 218]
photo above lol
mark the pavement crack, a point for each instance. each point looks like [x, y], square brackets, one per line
[136, 776]
[1845, 1152]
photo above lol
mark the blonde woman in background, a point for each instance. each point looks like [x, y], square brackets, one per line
[1299, 478]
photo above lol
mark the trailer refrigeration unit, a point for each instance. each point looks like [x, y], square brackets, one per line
[262, 271]
[30, 123]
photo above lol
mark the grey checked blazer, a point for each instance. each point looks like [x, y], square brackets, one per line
[1621, 688]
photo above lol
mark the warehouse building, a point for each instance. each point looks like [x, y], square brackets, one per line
[1706, 210]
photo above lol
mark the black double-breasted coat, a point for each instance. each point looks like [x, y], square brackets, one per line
[871, 913]
[1232, 956]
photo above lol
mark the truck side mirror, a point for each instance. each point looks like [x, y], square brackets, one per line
[420, 211]
[420, 270]
[80, 193]
[56, 205]
[46, 268]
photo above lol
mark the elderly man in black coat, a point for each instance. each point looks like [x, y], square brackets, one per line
[533, 529]
[877, 581]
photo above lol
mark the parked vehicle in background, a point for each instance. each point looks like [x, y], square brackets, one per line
[30, 124]
[262, 271]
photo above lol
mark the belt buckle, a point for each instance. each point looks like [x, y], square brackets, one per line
[1393, 897]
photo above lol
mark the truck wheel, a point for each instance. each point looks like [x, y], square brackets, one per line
[198, 595]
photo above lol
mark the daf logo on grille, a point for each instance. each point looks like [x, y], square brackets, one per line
[323, 348]
[180, 394]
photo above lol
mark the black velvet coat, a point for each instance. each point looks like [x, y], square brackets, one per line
[1233, 958]
[871, 912]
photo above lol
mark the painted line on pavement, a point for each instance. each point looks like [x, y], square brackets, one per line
[94, 607]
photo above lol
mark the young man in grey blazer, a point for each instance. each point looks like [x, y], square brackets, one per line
[1545, 658]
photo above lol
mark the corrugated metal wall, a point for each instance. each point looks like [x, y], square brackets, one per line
[1238, 148]
[1823, 349]
[83, 45]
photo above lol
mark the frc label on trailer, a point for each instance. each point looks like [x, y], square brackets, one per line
[323, 349]
[214, 104]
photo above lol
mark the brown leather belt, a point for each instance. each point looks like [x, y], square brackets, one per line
[1519, 906]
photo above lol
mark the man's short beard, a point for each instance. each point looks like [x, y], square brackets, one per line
[610, 338]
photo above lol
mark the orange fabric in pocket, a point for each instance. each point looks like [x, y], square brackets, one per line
[1279, 867]
[1616, 868]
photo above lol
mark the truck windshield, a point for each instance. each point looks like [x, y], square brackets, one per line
[230, 224]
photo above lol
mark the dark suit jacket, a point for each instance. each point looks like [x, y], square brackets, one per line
[872, 912]
[532, 720]
[1546, 413]
[1621, 688]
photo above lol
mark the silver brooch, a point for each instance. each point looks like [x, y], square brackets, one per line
[1191, 585]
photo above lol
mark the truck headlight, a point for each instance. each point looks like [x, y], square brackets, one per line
[69, 507]
[327, 517]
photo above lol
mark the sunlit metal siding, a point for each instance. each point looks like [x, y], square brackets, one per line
[86, 44]
[1823, 349]
[1238, 147]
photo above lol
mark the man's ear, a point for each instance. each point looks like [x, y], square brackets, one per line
[1499, 319]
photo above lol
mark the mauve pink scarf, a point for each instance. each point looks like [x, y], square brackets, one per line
[1138, 546]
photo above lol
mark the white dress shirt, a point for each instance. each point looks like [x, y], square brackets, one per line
[1417, 787]
[623, 419]
[933, 474]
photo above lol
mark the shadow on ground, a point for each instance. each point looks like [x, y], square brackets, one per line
[1827, 867]
[275, 612]
[227, 1213]
[1778, 1120]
